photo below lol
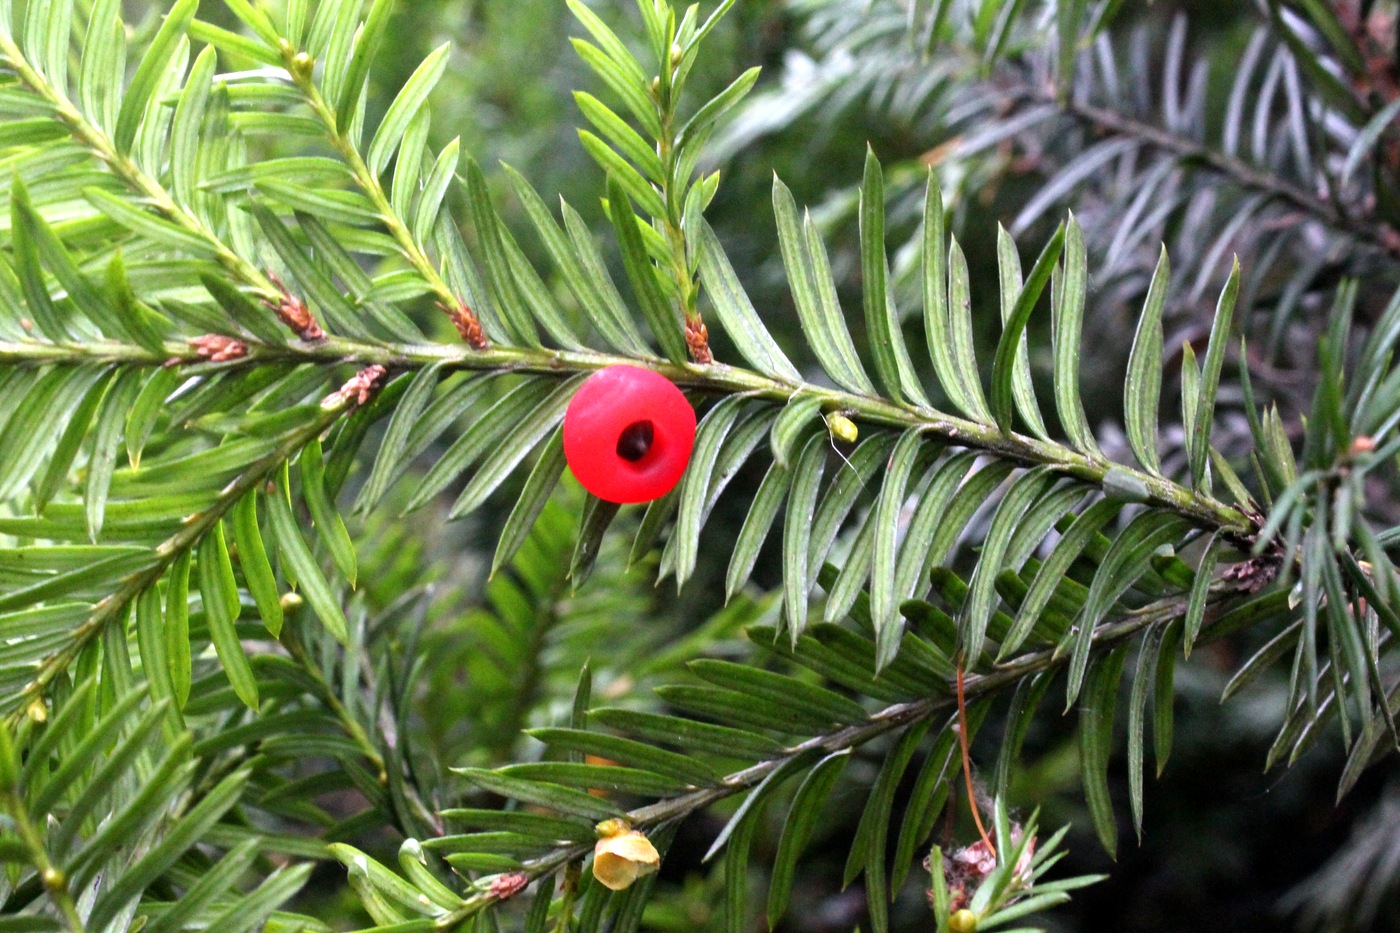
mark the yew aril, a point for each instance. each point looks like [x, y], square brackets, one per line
[628, 434]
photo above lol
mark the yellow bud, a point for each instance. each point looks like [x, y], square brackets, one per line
[609, 828]
[677, 53]
[622, 858]
[964, 921]
[303, 65]
[54, 879]
[841, 427]
[291, 602]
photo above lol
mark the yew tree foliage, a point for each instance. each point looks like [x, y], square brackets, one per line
[260, 351]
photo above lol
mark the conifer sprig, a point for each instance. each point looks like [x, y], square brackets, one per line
[196, 633]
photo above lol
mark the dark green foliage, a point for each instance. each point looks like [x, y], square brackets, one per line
[259, 273]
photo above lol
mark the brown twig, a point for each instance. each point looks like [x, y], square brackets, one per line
[967, 764]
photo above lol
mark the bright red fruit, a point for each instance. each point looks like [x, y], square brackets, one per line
[628, 434]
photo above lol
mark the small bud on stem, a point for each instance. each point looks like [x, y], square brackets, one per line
[467, 324]
[293, 312]
[217, 348]
[359, 389]
[504, 887]
[697, 340]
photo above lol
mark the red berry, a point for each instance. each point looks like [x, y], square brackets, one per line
[628, 434]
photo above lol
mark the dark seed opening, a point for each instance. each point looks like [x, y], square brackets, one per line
[635, 440]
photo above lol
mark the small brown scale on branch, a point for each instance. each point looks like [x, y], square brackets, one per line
[217, 348]
[1254, 574]
[293, 312]
[467, 324]
[697, 340]
[359, 389]
[504, 887]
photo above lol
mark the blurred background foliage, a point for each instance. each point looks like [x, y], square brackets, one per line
[1226, 845]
